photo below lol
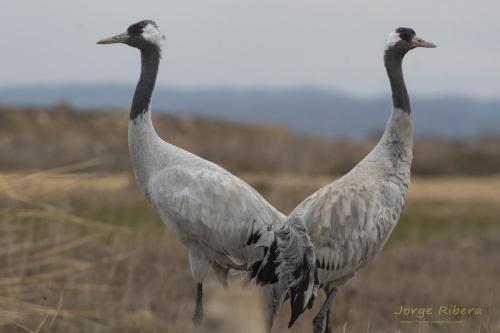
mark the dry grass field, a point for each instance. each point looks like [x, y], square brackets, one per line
[84, 252]
[81, 250]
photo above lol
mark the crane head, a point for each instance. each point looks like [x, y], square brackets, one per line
[141, 35]
[403, 40]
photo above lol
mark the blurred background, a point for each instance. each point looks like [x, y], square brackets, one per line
[286, 95]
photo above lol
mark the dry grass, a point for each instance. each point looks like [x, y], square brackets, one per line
[40, 138]
[83, 252]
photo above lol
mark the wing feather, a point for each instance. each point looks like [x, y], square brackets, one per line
[346, 223]
[217, 208]
[235, 227]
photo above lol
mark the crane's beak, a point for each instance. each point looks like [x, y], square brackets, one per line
[121, 38]
[419, 42]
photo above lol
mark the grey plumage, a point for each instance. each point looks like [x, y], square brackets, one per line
[350, 220]
[221, 219]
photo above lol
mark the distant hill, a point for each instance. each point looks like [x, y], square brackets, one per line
[307, 111]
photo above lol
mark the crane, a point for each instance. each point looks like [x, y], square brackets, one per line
[350, 220]
[222, 220]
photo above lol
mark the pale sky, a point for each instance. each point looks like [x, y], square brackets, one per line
[335, 45]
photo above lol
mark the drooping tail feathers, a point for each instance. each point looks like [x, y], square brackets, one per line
[288, 264]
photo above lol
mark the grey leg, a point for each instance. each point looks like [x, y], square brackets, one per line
[199, 268]
[270, 319]
[273, 302]
[198, 311]
[324, 312]
[328, 329]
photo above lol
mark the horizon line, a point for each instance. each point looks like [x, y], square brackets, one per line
[228, 88]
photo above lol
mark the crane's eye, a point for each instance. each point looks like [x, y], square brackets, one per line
[137, 28]
[404, 36]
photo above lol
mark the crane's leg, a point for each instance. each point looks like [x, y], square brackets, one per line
[198, 310]
[274, 295]
[328, 329]
[272, 302]
[199, 268]
[324, 312]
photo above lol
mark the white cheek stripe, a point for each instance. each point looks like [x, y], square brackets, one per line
[392, 39]
[151, 34]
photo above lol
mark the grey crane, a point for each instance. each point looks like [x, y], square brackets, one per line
[350, 220]
[223, 221]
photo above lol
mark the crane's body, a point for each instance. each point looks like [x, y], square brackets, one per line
[221, 219]
[199, 200]
[350, 220]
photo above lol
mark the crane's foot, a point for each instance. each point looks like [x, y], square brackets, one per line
[197, 319]
[318, 324]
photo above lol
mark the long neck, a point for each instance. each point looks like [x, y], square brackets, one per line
[394, 66]
[397, 141]
[142, 138]
[150, 61]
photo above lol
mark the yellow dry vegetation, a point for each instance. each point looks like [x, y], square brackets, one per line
[83, 252]
[452, 188]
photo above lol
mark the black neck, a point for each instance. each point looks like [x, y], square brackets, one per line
[394, 65]
[150, 61]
